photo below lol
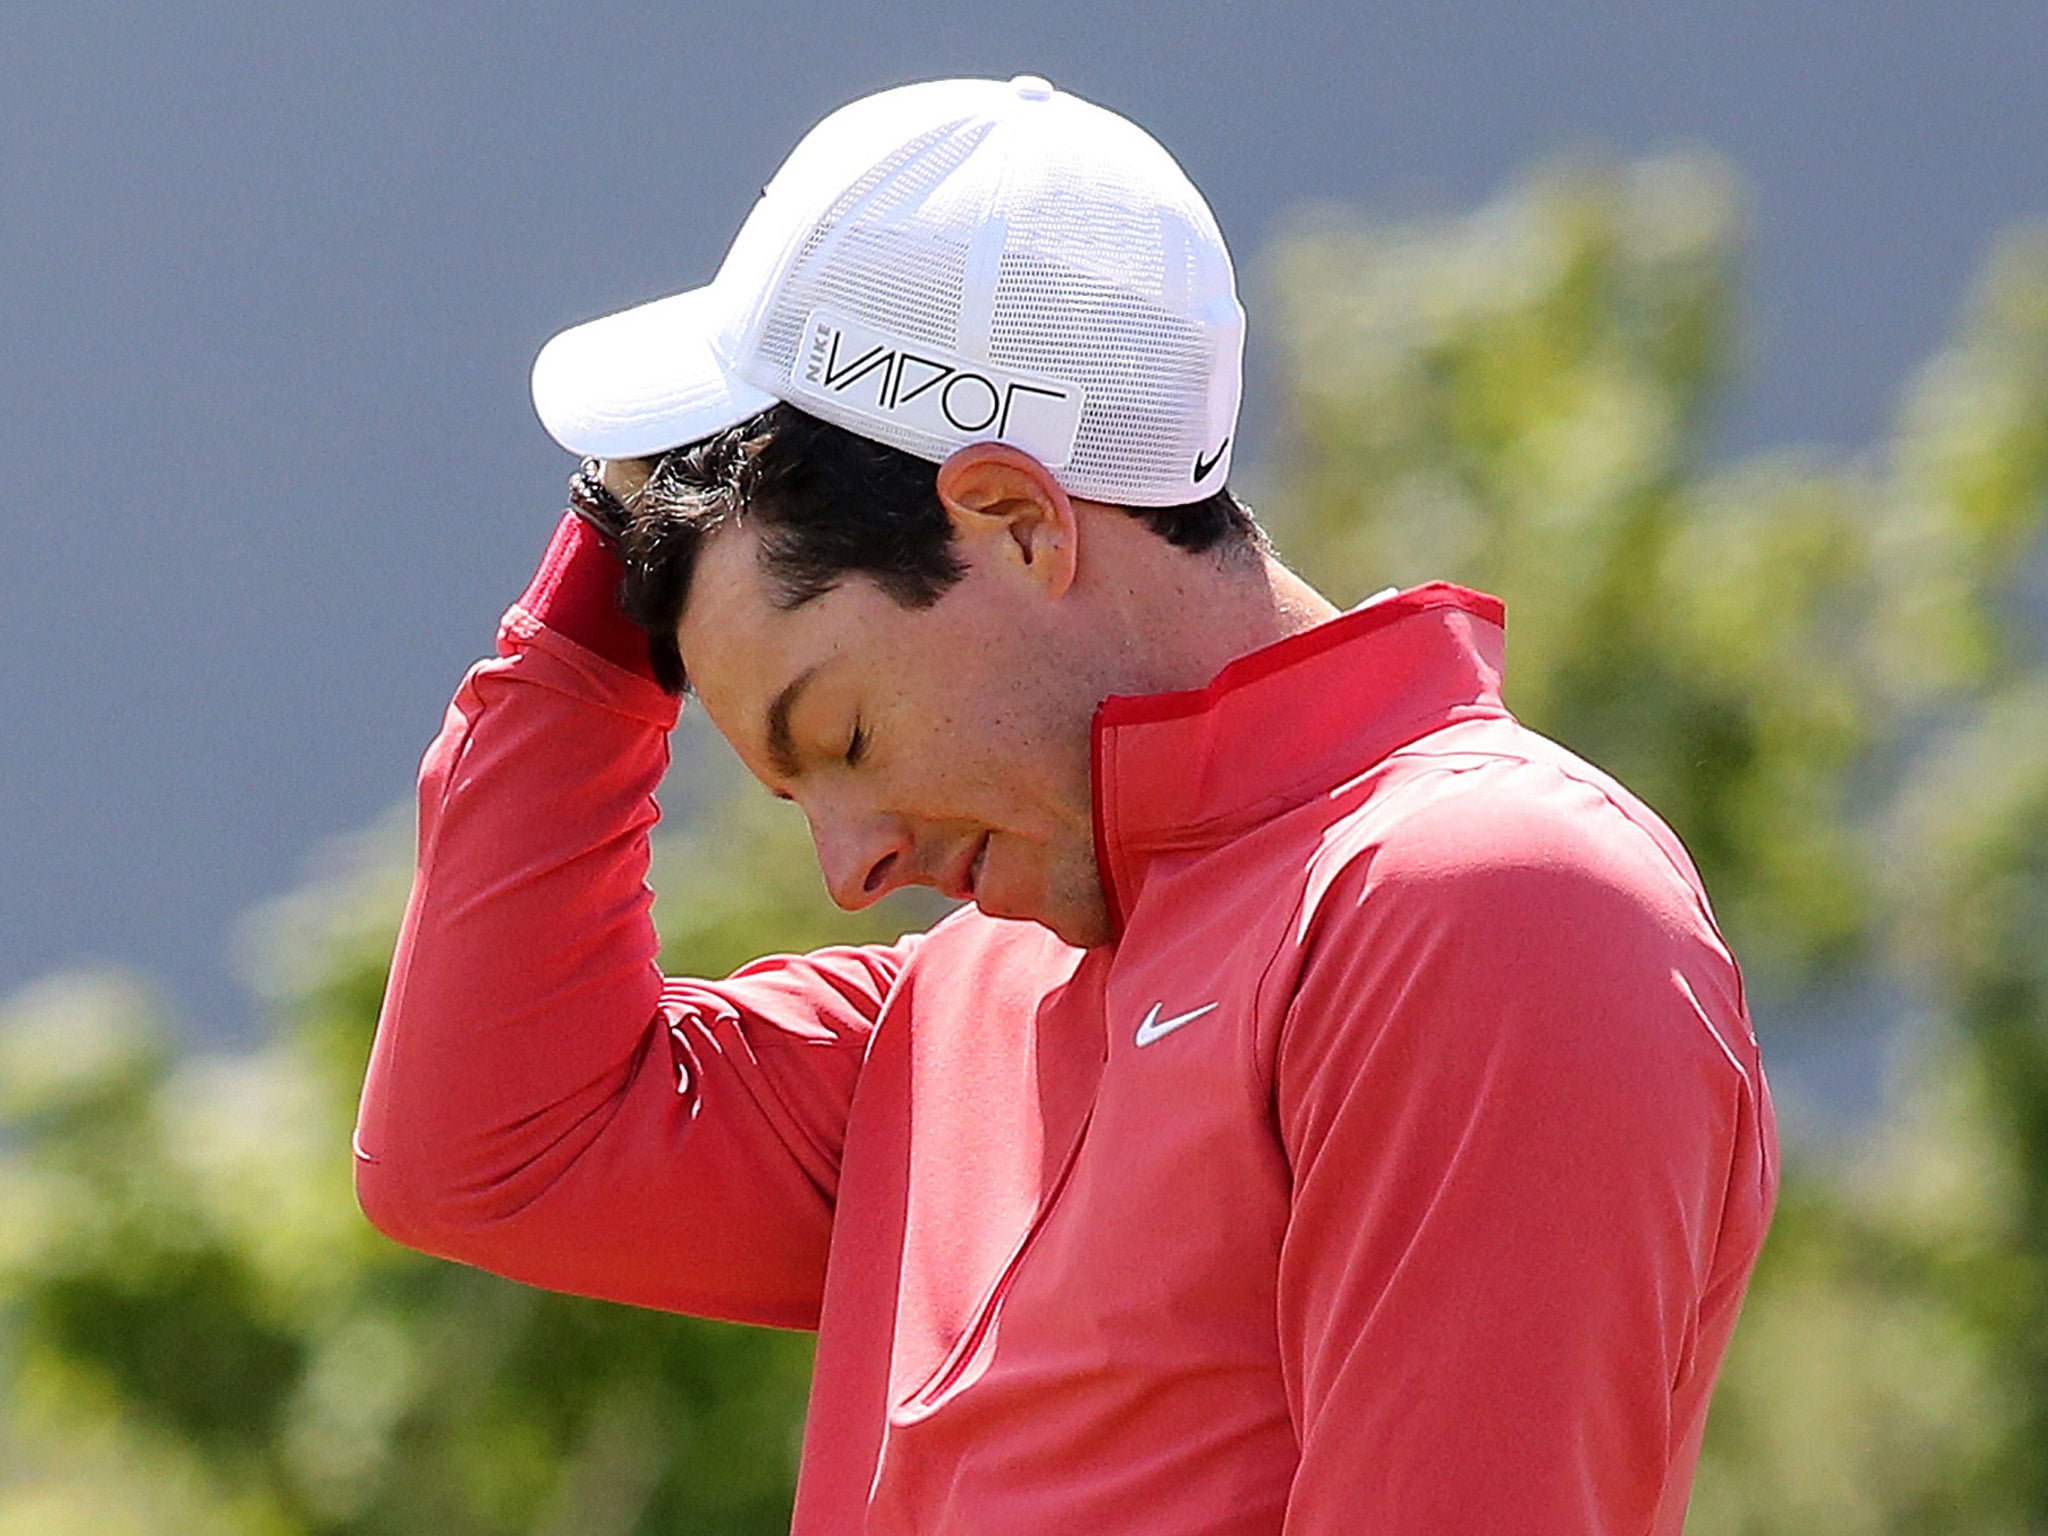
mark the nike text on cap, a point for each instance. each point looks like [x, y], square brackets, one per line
[941, 264]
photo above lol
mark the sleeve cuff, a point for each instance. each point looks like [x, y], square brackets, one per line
[576, 593]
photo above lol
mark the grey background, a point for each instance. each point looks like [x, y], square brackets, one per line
[271, 278]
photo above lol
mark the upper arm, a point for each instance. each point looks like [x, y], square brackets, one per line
[541, 1101]
[1505, 1090]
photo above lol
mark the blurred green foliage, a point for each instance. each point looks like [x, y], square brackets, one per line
[1826, 670]
[202, 1335]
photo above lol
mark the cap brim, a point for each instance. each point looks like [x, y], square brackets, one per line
[641, 381]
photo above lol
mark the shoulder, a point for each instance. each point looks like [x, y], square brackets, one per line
[1501, 827]
[1505, 902]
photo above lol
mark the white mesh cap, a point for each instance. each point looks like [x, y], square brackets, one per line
[942, 264]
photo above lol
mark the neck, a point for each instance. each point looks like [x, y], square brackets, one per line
[1180, 618]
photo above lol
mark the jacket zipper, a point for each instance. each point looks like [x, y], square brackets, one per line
[970, 1343]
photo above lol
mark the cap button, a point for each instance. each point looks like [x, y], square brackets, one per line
[1032, 87]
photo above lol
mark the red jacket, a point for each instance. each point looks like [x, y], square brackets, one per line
[1398, 1169]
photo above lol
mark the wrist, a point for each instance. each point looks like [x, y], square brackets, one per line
[576, 593]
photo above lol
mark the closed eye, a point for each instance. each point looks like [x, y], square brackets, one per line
[856, 746]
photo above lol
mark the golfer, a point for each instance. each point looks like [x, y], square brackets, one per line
[1331, 1110]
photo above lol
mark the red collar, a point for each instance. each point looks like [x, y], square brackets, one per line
[1183, 771]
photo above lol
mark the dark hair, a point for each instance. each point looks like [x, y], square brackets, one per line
[827, 504]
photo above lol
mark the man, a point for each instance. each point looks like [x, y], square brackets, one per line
[1333, 1110]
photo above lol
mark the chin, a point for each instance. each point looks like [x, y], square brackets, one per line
[1071, 904]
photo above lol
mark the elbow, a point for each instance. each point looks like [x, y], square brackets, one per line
[420, 1202]
[402, 1206]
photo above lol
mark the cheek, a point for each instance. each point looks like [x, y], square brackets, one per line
[952, 755]
[993, 731]
[1025, 760]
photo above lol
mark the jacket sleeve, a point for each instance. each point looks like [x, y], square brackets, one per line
[541, 1101]
[1528, 1156]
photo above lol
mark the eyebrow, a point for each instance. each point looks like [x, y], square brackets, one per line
[781, 746]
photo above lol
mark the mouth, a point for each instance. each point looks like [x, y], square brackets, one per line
[965, 877]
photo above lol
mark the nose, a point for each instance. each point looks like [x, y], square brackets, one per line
[863, 858]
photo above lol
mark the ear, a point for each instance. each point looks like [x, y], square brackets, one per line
[1005, 502]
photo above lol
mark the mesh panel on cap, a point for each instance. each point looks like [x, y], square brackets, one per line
[1100, 265]
[1095, 221]
[880, 267]
[1138, 367]
[1081, 294]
